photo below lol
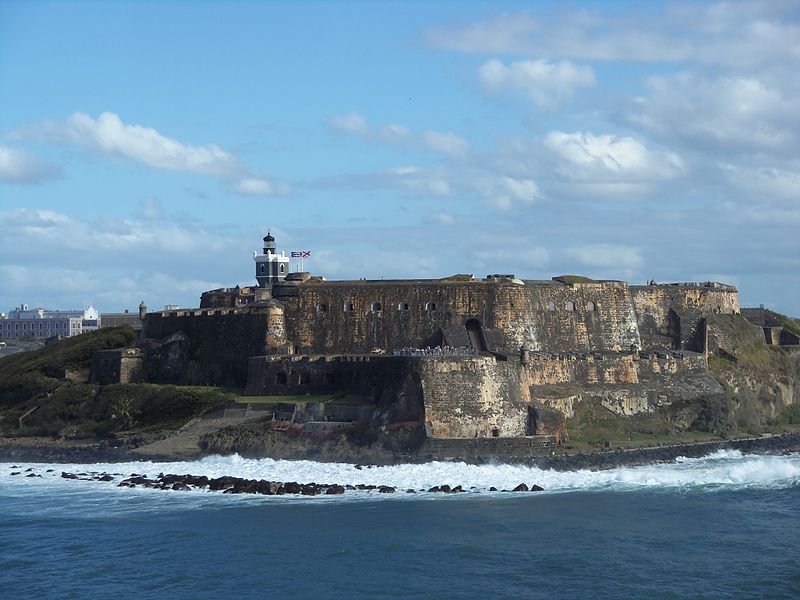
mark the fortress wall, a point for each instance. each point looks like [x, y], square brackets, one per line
[472, 397]
[382, 380]
[520, 313]
[653, 303]
[363, 330]
[123, 365]
[549, 325]
[216, 351]
[584, 368]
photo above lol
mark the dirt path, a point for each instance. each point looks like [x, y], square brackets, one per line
[183, 444]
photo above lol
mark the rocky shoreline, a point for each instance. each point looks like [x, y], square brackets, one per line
[74, 452]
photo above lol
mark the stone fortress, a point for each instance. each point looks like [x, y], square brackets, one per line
[458, 358]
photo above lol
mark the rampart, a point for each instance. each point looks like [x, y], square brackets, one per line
[670, 315]
[213, 347]
[364, 316]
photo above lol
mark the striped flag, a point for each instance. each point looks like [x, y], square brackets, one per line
[301, 253]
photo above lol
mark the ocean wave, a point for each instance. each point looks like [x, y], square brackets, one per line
[721, 470]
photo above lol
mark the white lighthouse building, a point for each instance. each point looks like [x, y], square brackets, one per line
[271, 267]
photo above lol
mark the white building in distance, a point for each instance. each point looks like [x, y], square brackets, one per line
[42, 323]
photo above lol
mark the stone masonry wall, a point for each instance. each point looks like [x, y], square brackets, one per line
[553, 318]
[218, 345]
[472, 397]
[662, 309]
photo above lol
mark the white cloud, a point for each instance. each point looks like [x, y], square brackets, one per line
[424, 181]
[504, 193]
[587, 157]
[544, 82]
[352, 123]
[737, 35]
[396, 134]
[726, 114]
[18, 166]
[445, 142]
[110, 135]
[607, 256]
[258, 186]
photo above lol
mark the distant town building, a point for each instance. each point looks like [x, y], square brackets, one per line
[134, 320]
[43, 323]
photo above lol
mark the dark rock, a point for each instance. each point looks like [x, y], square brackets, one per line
[49, 470]
[105, 477]
[410, 491]
[520, 488]
[310, 489]
[444, 488]
[32, 475]
[435, 489]
[29, 469]
[15, 472]
[492, 489]
[457, 489]
[537, 488]
[66, 475]
[386, 489]
[335, 489]
[292, 487]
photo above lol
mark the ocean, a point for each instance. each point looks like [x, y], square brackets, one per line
[723, 526]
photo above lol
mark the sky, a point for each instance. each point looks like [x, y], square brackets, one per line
[147, 147]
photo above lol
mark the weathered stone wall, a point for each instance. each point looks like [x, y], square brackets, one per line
[384, 381]
[471, 397]
[344, 317]
[668, 316]
[216, 350]
[125, 365]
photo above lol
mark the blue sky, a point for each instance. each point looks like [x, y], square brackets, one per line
[145, 147]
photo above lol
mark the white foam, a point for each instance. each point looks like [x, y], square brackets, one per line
[724, 469]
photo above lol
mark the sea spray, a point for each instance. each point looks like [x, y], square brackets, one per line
[724, 469]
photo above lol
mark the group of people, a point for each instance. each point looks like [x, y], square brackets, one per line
[436, 351]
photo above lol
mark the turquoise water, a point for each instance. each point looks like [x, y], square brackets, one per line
[727, 526]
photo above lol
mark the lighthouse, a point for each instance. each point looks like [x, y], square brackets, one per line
[271, 267]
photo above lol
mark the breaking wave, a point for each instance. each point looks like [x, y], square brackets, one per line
[721, 470]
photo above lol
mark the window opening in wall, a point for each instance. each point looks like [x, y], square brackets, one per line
[430, 306]
[322, 307]
[495, 432]
[590, 306]
[261, 267]
[402, 306]
[280, 378]
[551, 305]
[376, 307]
[569, 305]
[283, 268]
[348, 307]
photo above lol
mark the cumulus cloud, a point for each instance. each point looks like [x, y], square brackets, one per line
[18, 166]
[441, 142]
[727, 114]
[545, 83]
[588, 157]
[108, 134]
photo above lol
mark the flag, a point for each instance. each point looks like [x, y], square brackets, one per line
[301, 253]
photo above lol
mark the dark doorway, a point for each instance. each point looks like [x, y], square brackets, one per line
[476, 338]
[533, 420]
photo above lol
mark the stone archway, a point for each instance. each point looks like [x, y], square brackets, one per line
[477, 339]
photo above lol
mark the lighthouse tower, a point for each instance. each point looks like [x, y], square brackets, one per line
[271, 267]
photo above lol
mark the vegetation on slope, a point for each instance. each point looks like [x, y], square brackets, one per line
[26, 375]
